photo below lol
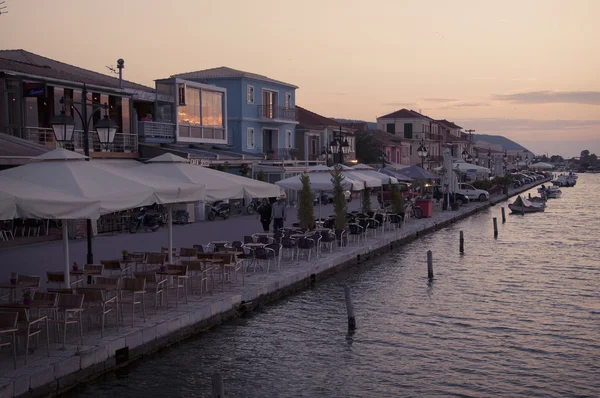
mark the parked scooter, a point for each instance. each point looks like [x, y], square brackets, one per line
[219, 209]
[253, 207]
[181, 217]
[145, 219]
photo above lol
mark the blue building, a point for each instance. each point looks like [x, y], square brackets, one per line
[261, 114]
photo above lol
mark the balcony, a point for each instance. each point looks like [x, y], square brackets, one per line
[276, 113]
[123, 143]
[156, 132]
[278, 153]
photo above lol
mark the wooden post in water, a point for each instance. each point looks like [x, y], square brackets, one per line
[429, 264]
[349, 308]
[462, 243]
[218, 389]
[503, 216]
[495, 227]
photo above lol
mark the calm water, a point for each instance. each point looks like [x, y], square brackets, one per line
[516, 316]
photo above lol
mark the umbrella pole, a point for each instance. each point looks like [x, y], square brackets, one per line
[65, 232]
[320, 204]
[170, 207]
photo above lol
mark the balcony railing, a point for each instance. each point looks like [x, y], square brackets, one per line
[156, 131]
[45, 136]
[278, 153]
[274, 112]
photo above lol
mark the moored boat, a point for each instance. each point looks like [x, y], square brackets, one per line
[553, 192]
[522, 206]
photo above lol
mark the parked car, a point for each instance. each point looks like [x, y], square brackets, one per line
[473, 193]
[437, 193]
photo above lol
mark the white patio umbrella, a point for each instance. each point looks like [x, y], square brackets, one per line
[449, 179]
[219, 185]
[68, 172]
[469, 167]
[320, 181]
[541, 166]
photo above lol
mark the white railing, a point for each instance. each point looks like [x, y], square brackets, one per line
[156, 130]
[45, 136]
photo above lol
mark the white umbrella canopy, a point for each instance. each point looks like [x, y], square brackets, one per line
[449, 179]
[370, 182]
[541, 166]
[464, 167]
[219, 185]
[320, 181]
[20, 199]
[371, 172]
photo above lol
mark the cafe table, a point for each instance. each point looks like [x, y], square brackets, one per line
[13, 288]
[85, 272]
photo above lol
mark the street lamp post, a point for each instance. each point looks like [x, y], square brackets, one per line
[466, 156]
[422, 153]
[64, 126]
[339, 146]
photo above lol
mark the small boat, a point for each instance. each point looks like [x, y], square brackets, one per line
[522, 206]
[553, 192]
[565, 180]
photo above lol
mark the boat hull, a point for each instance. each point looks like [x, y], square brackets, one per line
[516, 209]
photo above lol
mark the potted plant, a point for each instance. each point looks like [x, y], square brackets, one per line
[13, 278]
[340, 206]
[270, 154]
[27, 296]
[306, 217]
[75, 266]
[162, 268]
[125, 254]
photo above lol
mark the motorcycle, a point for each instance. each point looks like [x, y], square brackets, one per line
[253, 207]
[146, 220]
[220, 209]
[181, 217]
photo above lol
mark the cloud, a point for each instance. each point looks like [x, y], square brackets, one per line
[518, 125]
[551, 97]
[465, 104]
[439, 99]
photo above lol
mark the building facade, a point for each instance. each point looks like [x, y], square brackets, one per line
[31, 90]
[261, 114]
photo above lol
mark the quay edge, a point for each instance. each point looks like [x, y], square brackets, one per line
[66, 371]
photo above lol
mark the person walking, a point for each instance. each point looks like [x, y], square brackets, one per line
[264, 212]
[278, 214]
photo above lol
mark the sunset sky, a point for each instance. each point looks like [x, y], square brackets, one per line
[525, 69]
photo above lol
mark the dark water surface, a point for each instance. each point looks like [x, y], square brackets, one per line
[515, 316]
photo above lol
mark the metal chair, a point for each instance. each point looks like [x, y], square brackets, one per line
[188, 253]
[8, 326]
[98, 303]
[154, 285]
[68, 312]
[199, 268]
[179, 281]
[132, 287]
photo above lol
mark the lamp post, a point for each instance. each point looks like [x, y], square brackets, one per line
[476, 159]
[64, 126]
[326, 152]
[339, 146]
[422, 153]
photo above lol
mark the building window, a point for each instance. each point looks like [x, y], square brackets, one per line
[408, 131]
[212, 109]
[390, 128]
[288, 139]
[250, 138]
[410, 150]
[190, 112]
[250, 94]
[288, 100]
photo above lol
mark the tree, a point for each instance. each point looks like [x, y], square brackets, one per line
[397, 200]
[260, 176]
[368, 151]
[244, 170]
[223, 167]
[306, 217]
[340, 206]
[366, 200]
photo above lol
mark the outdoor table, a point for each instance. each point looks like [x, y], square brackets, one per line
[83, 272]
[13, 288]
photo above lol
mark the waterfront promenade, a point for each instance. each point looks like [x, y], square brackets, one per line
[65, 368]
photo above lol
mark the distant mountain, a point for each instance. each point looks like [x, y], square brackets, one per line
[371, 125]
[507, 144]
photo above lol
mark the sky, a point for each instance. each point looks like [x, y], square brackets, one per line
[525, 69]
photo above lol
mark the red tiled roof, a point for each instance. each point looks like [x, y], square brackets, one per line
[310, 119]
[385, 138]
[403, 114]
[449, 124]
[357, 126]
[21, 61]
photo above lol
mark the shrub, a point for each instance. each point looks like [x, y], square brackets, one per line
[306, 217]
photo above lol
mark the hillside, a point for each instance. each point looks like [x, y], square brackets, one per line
[372, 125]
[498, 140]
